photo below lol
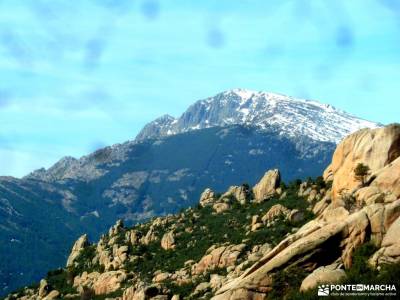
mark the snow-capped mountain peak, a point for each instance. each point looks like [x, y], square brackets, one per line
[291, 116]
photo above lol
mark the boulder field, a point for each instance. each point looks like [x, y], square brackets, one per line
[233, 245]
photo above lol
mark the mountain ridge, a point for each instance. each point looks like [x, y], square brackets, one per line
[143, 178]
[274, 112]
[292, 116]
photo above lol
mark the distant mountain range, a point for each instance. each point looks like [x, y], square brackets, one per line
[220, 141]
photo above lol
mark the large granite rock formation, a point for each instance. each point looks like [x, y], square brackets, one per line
[376, 148]
[344, 224]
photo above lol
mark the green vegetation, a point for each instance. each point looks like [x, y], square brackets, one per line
[185, 290]
[197, 229]
[287, 282]
[202, 227]
[84, 262]
[60, 280]
[115, 294]
[361, 172]
[361, 272]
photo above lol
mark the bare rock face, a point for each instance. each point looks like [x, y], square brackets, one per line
[376, 148]
[295, 216]
[85, 280]
[372, 212]
[134, 237]
[220, 257]
[131, 293]
[387, 180]
[255, 223]
[238, 193]
[168, 241]
[332, 214]
[201, 288]
[241, 294]
[304, 189]
[80, 244]
[54, 294]
[140, 291]
[120, 254]
[221, 207]
[216, 281]
[149, 237]
[160, 277]
[328, 274]
[321, 205]
[354, 234]
[109, 282]
[384, 186]
[390, 250]
[369, 195]
[267, 186]
[117, 228]
[208, 197]
[43, 288]
[241, 194]
[274, 212]
[344, 233]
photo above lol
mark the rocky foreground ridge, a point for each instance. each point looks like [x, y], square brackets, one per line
[271, 241]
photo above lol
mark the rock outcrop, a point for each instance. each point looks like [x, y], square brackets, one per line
[376, 148]
[140, 291]
[81, 243]
[323, 275]
[274, 212]
[109, 282]
[207, 197]
[220, 257]
[267, 186]
[220, 207]
[358, 213]
[168, 241]
[389, 252]
[54, 294]
[43, 288]
[237, 193]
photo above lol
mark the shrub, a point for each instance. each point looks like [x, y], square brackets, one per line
[60, 280]
[286, 281]
[87, 293]
[320, 182]
[361, 172]
[360, 273]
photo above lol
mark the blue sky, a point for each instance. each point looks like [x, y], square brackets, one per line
[79, 75]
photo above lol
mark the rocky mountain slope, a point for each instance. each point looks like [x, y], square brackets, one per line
[134, 181]
[289, 116]
[228, 139]
[269, 241]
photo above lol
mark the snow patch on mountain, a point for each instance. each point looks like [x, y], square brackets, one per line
[290, 116]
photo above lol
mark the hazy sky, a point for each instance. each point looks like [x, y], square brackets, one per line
[78, 75]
